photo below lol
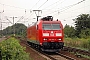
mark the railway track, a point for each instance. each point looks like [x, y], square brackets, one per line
[58, 56]
[75, 50]
[55, 56]
[50, 56]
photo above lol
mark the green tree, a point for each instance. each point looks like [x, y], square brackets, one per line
[20, 29]
[82, 22]
[69, 31]
[85, 33]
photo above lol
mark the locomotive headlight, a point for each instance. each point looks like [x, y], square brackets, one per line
[58, 34]
[45, 34]
[59, 39]
[44, 39]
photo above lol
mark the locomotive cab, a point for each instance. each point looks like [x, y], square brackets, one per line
[52, 35]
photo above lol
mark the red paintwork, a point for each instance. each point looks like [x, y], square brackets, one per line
[36, 35]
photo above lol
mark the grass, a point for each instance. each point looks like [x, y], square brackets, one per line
[82, 43]
[79, 43]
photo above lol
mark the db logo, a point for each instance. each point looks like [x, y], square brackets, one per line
[51, 34]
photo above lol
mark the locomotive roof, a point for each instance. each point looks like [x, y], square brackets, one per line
[51, 22]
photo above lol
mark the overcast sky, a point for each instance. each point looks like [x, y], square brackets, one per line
[64, 10]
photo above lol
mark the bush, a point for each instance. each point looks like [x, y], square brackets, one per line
[12, 50]
[89, 44]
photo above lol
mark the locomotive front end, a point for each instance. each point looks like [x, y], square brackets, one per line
[52, 36]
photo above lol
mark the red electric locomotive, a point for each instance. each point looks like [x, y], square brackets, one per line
[46, 34]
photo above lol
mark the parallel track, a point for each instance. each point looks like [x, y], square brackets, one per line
[75, 50]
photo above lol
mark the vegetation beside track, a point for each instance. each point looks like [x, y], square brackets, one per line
[78, 42]
[12, 50]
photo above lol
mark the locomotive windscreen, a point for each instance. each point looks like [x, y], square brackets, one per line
[51, 26]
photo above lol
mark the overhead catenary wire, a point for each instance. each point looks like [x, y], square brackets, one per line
[57, 2]
[68, 7]
[11, 6]
[51, 4]
[8, 20]
[54, 6]
[77, 9]
[43, 3]
[22, 16]
[36, 4]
